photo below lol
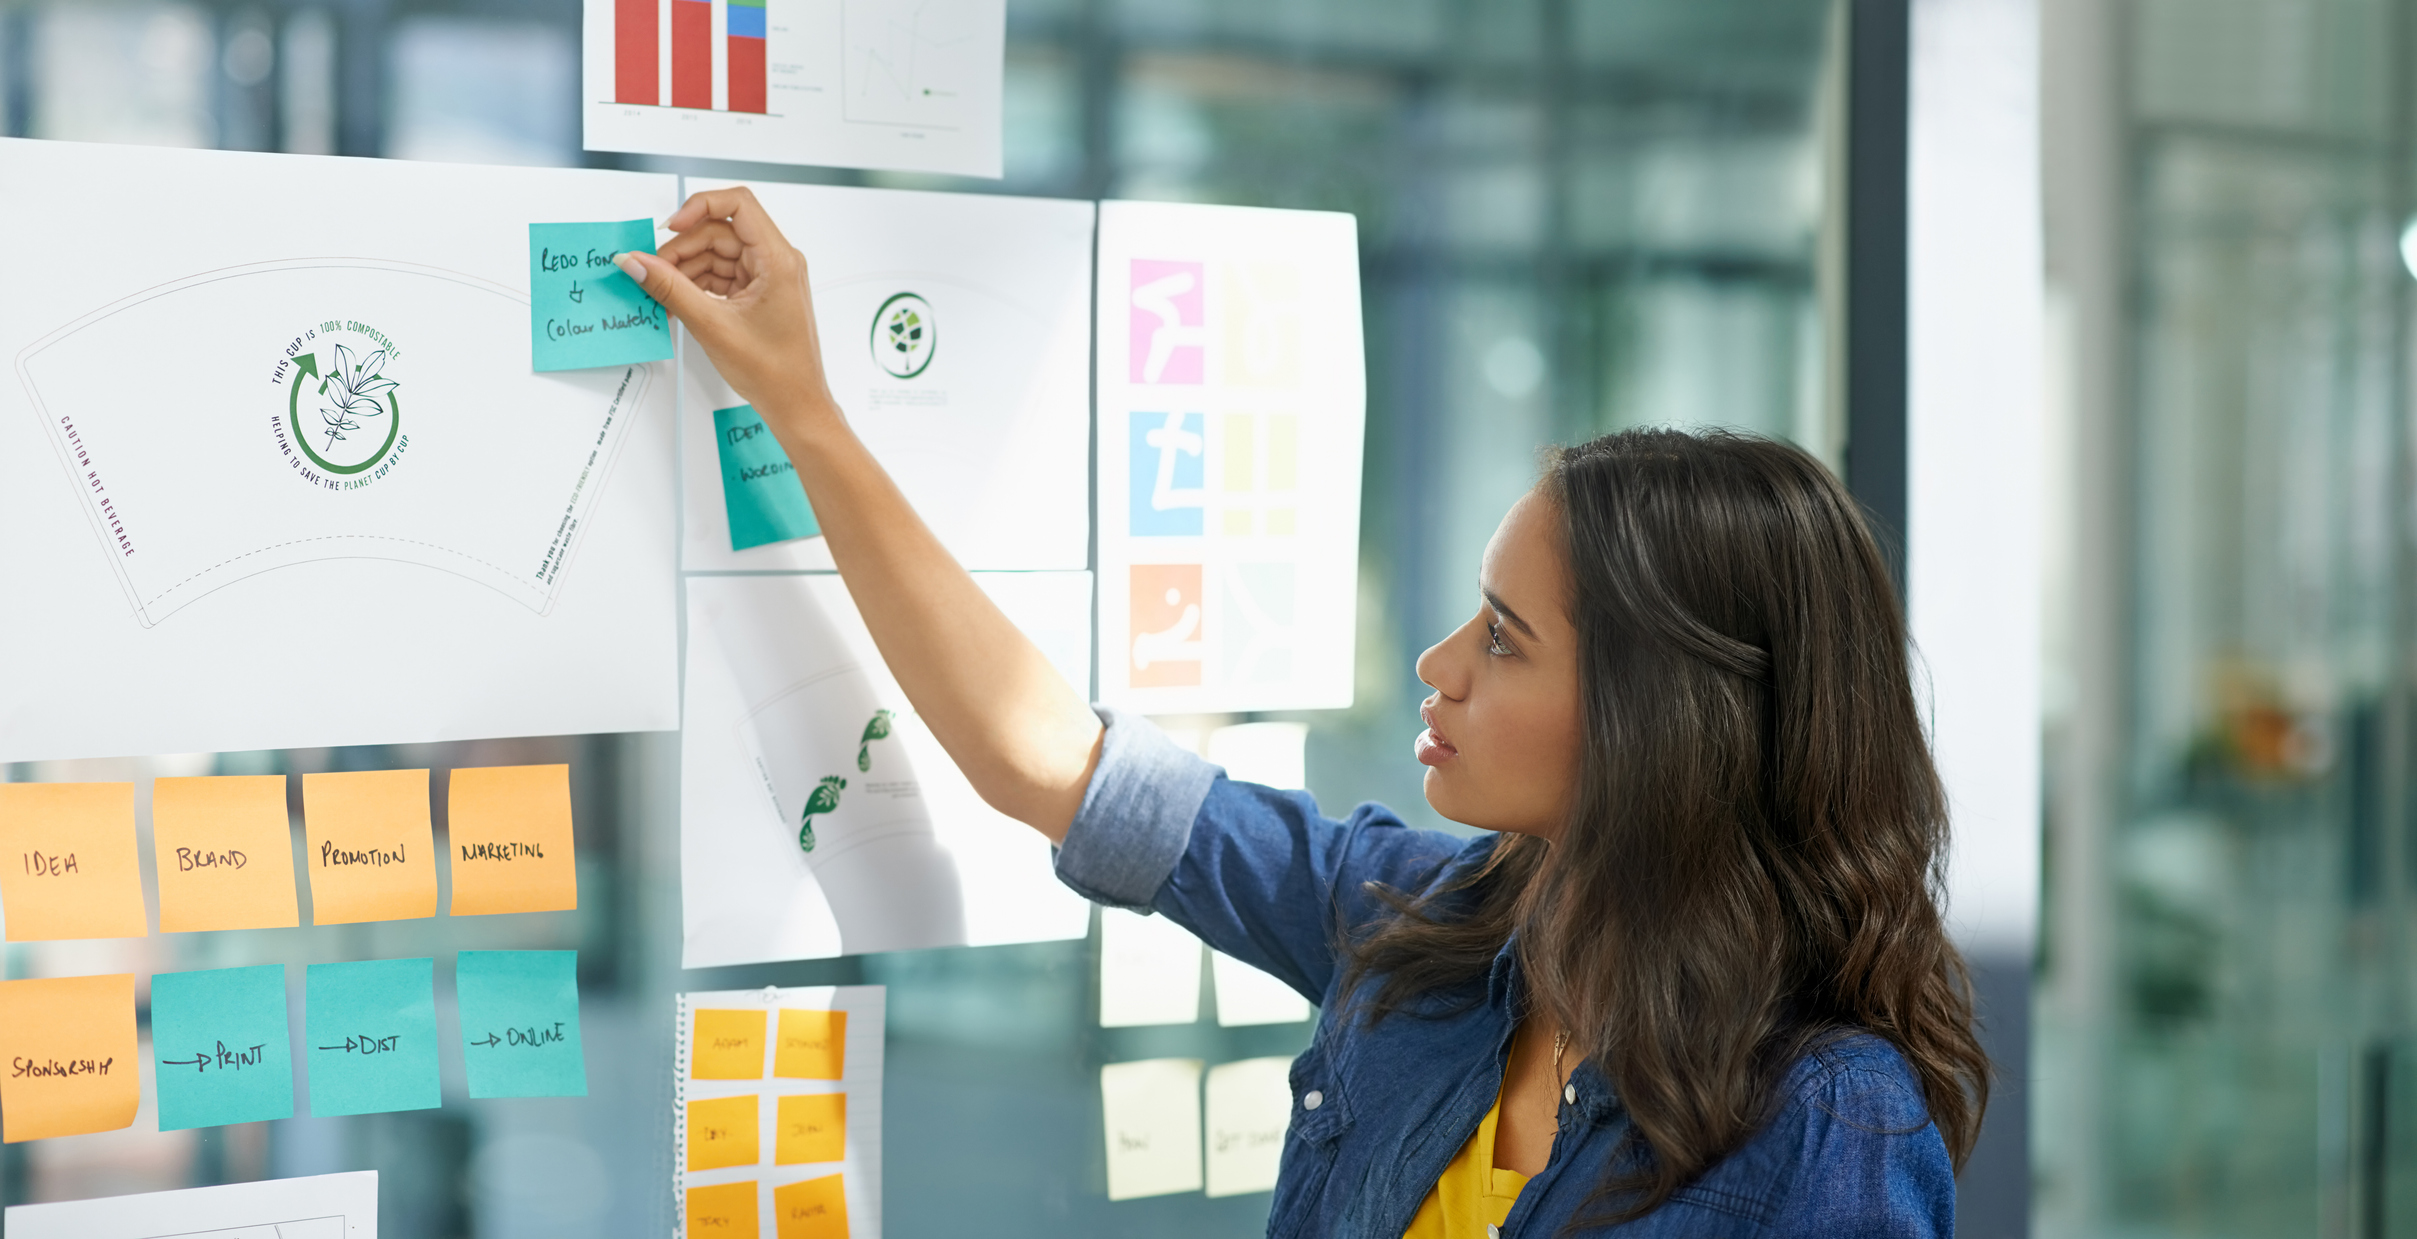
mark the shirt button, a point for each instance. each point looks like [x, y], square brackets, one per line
[1492, 1231]
[1312, 1099]
[1569, 1093]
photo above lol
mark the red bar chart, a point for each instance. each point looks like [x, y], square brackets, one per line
[691, 54]
[636, 76]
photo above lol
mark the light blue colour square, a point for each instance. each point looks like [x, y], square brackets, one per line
[759, 486]
[1169, 453]
[370, 1028]
[520, 1023]
[222, 1046]
[745, 21]
[582, 310]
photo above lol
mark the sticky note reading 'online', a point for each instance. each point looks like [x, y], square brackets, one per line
[724, 1211]
[370, 845]
[811, 1209]
[371, 1036]
[582, 310]
[759, 486]
[520, 1023]
[722, 1132]
[726, 1045]
[224, 852]
[69, 1046]
[510, 835]
[67, 862]
[813, 1045]
[221, 1043]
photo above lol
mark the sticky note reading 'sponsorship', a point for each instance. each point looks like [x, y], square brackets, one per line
[759, 486]
[510, 840]
[582, 310]
[67, 862]
[225, 853]
[520, 1023]
[219, 1038]
[370, 851]
[68, 1047]
[371, 1033]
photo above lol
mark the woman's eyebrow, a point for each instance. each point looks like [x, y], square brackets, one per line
[1495, 601]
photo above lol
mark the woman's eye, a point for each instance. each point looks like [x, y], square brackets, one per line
[1494, 644]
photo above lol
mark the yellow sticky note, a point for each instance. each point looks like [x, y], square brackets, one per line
[810, 1209]
[721, 1132]
[810, 1127]
[370, 845]
[813, 1045]
[510, 829]
[68, 1047]
[224, 852]
[726, 1045]
[723, 1211]
[67, 862]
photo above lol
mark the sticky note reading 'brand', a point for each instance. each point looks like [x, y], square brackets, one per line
[220, 1040]
[722, 1132]
[510, 836]
[727, 1045]
[582, 310]
[810, 1127]
[224, 852]
[370, 846]
[371, 1036]
[813, 1045]
[520, 1023]
[67, 862]
[68, 1043]
[759, 486]
[723, 1211]
[811, 1209]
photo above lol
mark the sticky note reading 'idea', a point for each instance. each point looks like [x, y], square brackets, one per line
[219, 1039]
[759, 486]
[582, 310]
[67, 862]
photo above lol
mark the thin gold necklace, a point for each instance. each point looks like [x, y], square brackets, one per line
[1560, 1044]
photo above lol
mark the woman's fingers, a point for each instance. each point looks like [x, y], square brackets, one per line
[677, 293]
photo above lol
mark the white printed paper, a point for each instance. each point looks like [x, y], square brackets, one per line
[1152, 1112]
[818, 816]
[1149, 971]
[956, 335]
[327, 1206]
[861, 1074]
[1246, 995]
[275, 473]
[1231, 398]
[1249, 1108]
[909, 85]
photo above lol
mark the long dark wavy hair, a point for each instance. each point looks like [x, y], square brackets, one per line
[1754, 855]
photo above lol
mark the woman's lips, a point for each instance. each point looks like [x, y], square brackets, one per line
[1431, 748]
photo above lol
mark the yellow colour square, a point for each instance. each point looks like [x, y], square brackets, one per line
[371, 850]
[509, 835]
[1283, 451]
[1241, 454]
[811, 1127]
[721, 1132]
[69, 1046]
[1237, 524]
[723, 1211]
[811, 1209]
[726, 1045]
[1280, 522]
[67, 862]
[813, 1045]
[225, 853]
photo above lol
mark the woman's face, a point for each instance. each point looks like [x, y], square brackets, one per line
[1502, 739]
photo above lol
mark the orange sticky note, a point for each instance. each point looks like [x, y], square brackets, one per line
[723, 1211]
[67, 1044]
[225, 853]
[727, 1045]
[370, 846]
[510, 830]
[811, 1209]
[67, 862]
[810, 1127]
[721, 1132]
[813, 1045]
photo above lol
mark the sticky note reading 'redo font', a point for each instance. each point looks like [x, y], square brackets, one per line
[582, 310]
[371, 1033]
[520, 1023]
[67, 862]
[219, 1038]
[510, 835]
[370, 844]
[759, 486]
[225, 853]
[69, 1046]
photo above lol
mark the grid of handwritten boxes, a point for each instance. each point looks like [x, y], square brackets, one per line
[808, 1128]
[223, 859]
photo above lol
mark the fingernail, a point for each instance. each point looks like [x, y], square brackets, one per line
[630, 266]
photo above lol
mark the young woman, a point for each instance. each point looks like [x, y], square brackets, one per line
[1695, 982]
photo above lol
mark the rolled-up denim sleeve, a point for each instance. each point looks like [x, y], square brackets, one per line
[1137, 814]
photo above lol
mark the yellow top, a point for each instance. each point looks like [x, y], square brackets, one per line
[1472, 1194]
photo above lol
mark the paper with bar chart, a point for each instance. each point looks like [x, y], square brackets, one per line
[907, 85]
[1231, 400]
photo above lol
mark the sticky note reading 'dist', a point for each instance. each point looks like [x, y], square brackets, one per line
[67, 862]
[723, 1211]
[520, 1023]
[759, 486]
[370, 1033]
[811, 1209]
[726, 1045]
[722, 1132]
[221, 1042]
[813, 1045]
[369, 854]
[69, 1045]
[225, 853]
[510, 840]
[582, 310]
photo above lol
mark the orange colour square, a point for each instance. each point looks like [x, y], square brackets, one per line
[810, 1127]
[811, 1209]
[1168, 618]
[813, 1045]
[67, 1044]
[723, 1211]
[371, 848]
[67, 862]
[509, 840]
[224, 851]
[722, 1132]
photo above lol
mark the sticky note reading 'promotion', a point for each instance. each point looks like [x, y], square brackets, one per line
[759, 486]
[813, 1045]
[67, 1049]
[510, 840]
[727, 1045]
[67, 862]
[224, 852]
[582, 310]
[370, 846]
[723, 1211]
[220, 1041]
[811, 1209]
[722, 1132]
[371, 1036]
[811, 1127]
[520, 1023]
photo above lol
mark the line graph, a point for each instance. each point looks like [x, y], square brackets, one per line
[913, 62]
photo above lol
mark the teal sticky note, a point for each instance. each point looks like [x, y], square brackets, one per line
[582, 310]
[370, 1029]
[520, 1023]
[220, 1041]
[759, 485]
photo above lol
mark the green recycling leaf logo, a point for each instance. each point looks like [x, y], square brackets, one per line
[906, 335]
[343, 418]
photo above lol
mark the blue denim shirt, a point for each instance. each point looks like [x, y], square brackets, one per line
[1378, 1111]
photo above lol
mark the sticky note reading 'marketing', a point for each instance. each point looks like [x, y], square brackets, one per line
[722, 1132]
[224, 852]
[370, 846]
[67, 862]
[582, 310]
[811, 1209]
[520, 1023]
[371, 1031]
[68, 1046]
[726, 1045]
[760, 489]
[813, 1045]
[509, 831]
[219, 1038]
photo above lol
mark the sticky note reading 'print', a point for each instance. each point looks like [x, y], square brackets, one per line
[371, 1033]
[811, 1127]
[220, 1041]
[582, 310]
[68, 1045]
[510, 837]
[724, 1211]
[225, 854]
[520, 1023]
[370, 846]
[67, 862]
[813, 1045]
[727, 1045]
[759, 486]
[811, 1209]
[722, 1132]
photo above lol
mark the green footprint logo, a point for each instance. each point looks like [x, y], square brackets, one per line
[823, 799]
[878, 729]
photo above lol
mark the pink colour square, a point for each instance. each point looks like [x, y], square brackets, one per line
[1169, 323]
